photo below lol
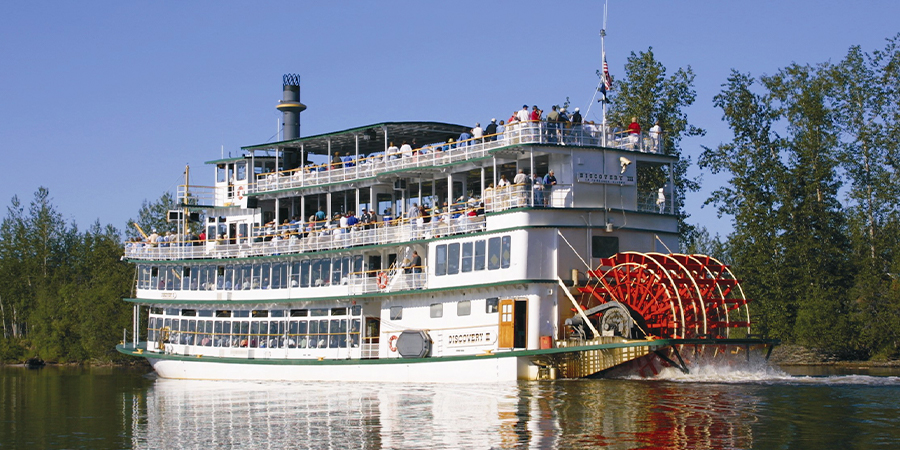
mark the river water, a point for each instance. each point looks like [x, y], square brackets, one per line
[97, 408]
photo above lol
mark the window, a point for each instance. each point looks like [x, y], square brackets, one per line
[437, 310]
[338, 311]
[205, 313]
[491, 305]
[156, 310]
[223, 313]
[604, 246]
[464, 308]
[452, 259]
[260, 313]
[505, 249]
[299, 313]
[277, 313]
[494, 253]
[355, 310]
[304, 273]
[396, 312]
[440, 263]
[241, 170]
[319, 312]
[467, 256]
[242, 314]
[479, 254]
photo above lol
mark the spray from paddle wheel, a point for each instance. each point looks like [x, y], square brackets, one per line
[671, 296]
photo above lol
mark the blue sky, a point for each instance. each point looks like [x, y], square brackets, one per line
[105, 102]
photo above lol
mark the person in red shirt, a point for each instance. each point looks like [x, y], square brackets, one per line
[634, 130]
[634, 127]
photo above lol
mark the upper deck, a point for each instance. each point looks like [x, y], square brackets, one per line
[261, 202]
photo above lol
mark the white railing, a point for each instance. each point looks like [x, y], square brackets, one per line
[391, 280]
[312, 241]
[450, 152]
[528, 195]
[649, 202]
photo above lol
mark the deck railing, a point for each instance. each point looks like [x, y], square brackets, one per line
[312, 241]
[449, 152]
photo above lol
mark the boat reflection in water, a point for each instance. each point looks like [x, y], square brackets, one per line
[561, 414]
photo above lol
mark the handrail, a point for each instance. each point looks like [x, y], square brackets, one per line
[442, 153]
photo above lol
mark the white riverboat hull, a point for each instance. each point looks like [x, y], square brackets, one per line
[469, 370]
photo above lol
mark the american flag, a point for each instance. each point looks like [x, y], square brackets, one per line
[607, 81]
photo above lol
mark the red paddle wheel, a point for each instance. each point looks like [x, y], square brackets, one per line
[667, 295]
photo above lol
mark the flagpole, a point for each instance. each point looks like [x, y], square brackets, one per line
[603, 68]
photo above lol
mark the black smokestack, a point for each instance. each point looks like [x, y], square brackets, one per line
[291, 107]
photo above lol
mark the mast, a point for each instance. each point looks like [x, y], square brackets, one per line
[604, 74]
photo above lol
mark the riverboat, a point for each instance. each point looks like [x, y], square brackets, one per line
[423, 252]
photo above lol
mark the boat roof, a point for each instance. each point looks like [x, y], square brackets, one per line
[372, 138]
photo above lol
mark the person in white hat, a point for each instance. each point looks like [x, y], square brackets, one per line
[490, 131]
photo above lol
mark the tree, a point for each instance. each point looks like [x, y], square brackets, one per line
[866, 98]
[153, 216]
[647, 93]
[815, 243]
[754, 197]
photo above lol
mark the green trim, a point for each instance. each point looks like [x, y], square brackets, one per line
[226, 160]
[339, 297]
[655, 344]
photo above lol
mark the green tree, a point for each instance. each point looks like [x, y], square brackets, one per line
[866, 98]
[754, 198]
[649, 94]
[815, 243]
[153, 216]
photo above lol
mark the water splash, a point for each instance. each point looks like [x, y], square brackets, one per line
[764, 374]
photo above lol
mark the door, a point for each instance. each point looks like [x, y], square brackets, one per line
[513, 322]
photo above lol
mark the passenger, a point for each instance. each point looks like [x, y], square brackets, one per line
[522, 115]
[576, 124]
[538, 190]
[393, 152]
[549, 182]
[655, 136]
[634, 132]
[491, 130]
[406, 150]
[336, 161]
[416, 262]
[661, 201]
[520, 177]
[503, 182]
[477, 133]
[464, 139]
[151, 239]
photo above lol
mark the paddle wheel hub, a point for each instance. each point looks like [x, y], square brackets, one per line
[636, 295]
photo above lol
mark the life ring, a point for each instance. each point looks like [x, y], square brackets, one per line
[240, 193]
[382, 280]
[391, 345]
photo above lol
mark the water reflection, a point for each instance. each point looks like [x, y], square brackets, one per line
[704, 410]
[715, 408]
[567, 414]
